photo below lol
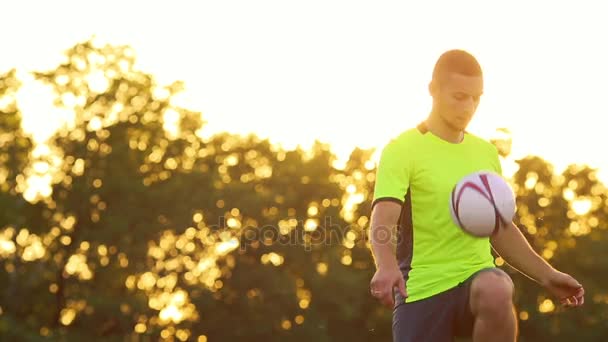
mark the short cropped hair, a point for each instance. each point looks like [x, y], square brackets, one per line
[456, 61]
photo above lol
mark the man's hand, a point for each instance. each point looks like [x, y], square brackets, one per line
[512, 246]
[567, 289]
[384, 282]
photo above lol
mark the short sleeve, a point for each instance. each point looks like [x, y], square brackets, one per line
[392, 174]
[496, 160]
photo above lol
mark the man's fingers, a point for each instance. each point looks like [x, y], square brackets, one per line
[383, 293]
[387, 298]
[573, 301]
[401, 287]
[580, 297]
[577, 299]
[580, 292]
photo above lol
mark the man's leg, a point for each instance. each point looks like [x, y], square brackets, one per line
[491, 302]
[427, 320]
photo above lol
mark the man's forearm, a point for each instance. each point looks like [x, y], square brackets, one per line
[513, 247]
[383, 227]
[383, 247]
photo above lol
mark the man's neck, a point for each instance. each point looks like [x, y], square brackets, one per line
[439, 128]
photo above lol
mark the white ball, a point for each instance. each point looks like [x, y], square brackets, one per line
[482, 203]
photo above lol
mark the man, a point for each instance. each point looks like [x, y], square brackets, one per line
[442, 282]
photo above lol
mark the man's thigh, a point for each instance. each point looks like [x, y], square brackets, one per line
[465, 319]
[439, 318]
[428, 320]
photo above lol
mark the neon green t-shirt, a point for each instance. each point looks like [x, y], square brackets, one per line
[418, 169]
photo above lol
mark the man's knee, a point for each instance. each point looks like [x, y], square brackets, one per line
[491, 293]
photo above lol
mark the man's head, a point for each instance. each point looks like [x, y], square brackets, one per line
[456, 88]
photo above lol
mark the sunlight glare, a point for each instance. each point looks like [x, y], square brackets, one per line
[322, 268]
[581, 206]
[7, 247]
[171, 313]
[97, 81]
[67, 316]
[546, 306]
[171, 119]
[226, 247]
[311, 225]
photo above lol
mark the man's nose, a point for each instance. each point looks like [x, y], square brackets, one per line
[469, 104]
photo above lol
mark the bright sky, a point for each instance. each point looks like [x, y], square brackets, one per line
[347, 72]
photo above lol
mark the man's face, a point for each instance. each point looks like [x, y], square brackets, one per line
[456, 98]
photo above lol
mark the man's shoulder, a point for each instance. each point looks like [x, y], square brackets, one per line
[405, 138]
[482, 142]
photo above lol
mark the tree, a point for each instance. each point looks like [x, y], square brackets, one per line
[147, 232]
[17, 248]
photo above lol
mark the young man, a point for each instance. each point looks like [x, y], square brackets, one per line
[442, 282]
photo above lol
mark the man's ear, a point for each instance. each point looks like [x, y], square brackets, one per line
[433, 88]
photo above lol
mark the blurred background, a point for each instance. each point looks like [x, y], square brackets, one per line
[202, 171]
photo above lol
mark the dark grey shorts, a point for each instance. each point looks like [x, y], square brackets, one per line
[439, 318]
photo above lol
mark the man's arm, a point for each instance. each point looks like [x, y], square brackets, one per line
[382, 232]
[513, 247]
[392, 183]
[382, 236]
